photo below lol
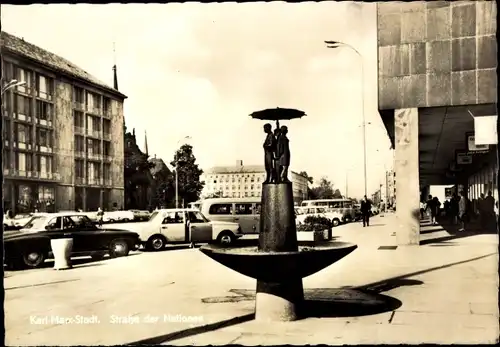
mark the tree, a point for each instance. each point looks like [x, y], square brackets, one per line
[309, 178]
[337, 194]
[324, 190]
[189, 174]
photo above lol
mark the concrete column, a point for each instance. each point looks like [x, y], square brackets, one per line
[84, 198]
[407, 176]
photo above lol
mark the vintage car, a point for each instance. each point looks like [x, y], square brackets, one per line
[183, 225]
[118, 216]
[140, 215]
[303, 212]
[30, 246]
[17, 222]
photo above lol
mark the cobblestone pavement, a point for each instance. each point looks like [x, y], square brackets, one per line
[448, 293]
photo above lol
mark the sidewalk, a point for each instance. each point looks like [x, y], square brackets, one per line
[445, 294]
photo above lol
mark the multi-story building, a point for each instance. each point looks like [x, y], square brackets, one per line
[62, 133]
[245, 181]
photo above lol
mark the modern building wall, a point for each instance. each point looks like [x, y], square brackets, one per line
[436, 53]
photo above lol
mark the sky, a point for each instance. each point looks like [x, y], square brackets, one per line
[199, 70]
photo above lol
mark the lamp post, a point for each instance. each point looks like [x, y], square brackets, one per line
[177, 175]
[12, 84]
[338, 44]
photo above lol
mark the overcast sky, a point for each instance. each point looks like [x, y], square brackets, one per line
[201, 69]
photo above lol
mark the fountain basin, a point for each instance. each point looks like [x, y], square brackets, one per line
[279, 266]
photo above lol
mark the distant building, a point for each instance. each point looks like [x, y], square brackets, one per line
[240, 181]
[59, 133]
[390, 187]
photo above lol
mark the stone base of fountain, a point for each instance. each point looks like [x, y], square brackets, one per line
[278, 263]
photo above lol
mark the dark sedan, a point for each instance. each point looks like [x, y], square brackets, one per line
[30, 246]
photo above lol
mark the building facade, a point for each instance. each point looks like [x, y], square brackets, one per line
[59, 131]
[437, 82]
[241, 181]
[390, 187]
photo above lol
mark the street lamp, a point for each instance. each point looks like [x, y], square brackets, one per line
[12, 84]
[338, 44]
[177, 175]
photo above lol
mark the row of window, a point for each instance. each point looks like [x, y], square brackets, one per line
[23, 133]
[233, 180]
[93, 146]
[24, 162]
[23, 107]
[241, 195]
[236, 175]
[252, 187]
[93, 171]
[92, 101]
[44, 87]
[91, 122]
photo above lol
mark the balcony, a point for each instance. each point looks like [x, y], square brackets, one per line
[78, 106]
[23, 117]
[23, 145]
[32, 175]
[45, 149]
[94, 133]
[95, 181]
[44, 122]
[44, 95]
[79, 130]
[80, 180]
[106, 136]
[94, 110]
[80, 154]
[94, 156]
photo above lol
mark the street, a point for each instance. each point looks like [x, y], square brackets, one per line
[162, 297]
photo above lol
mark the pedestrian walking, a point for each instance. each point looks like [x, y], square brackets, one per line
[454, 209]
[489, 206]
[366, 207]
[100, 216]
[431, 208]
[483, 213]
[422, 209]
[462, 210]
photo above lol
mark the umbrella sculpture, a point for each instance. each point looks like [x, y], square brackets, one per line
[276, 147]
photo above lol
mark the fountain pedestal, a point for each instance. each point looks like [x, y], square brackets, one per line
[278, 301]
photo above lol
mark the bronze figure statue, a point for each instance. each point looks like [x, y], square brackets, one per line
[276, 169]
[269, 149]
[283, 155]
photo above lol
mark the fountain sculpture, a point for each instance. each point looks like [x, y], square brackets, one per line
[278, 263]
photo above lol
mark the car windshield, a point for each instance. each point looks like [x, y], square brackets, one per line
[320, 210]
[199, 216]
[35, 223]
[154, 215]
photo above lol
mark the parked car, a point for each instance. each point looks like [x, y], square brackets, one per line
[334, 216]
[118, 216]
[244, 211]
[17, 222]
[30, 246]
[183, 225]
[140, 215]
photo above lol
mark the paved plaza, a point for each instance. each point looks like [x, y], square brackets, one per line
[441, 292]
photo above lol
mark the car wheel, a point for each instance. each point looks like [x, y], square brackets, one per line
[225, 238]
[157, 243]
[126, 220]
[335, 222]
[118, 248]
[33, 259]
[111, 221]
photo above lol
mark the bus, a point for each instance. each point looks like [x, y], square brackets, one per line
[343, 206]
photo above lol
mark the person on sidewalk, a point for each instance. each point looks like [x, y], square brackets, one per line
[462, 210]
[483, 214]
[437, 208]
[489, 208]
[422, 209]
[366, 207]
[100, 216]
[431, 209]
[454, 209]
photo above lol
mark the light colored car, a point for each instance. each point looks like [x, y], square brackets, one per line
[118, 216]
[244, 211]
[18, 221]
[182, 225]
[303, 212]
[140, 214]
